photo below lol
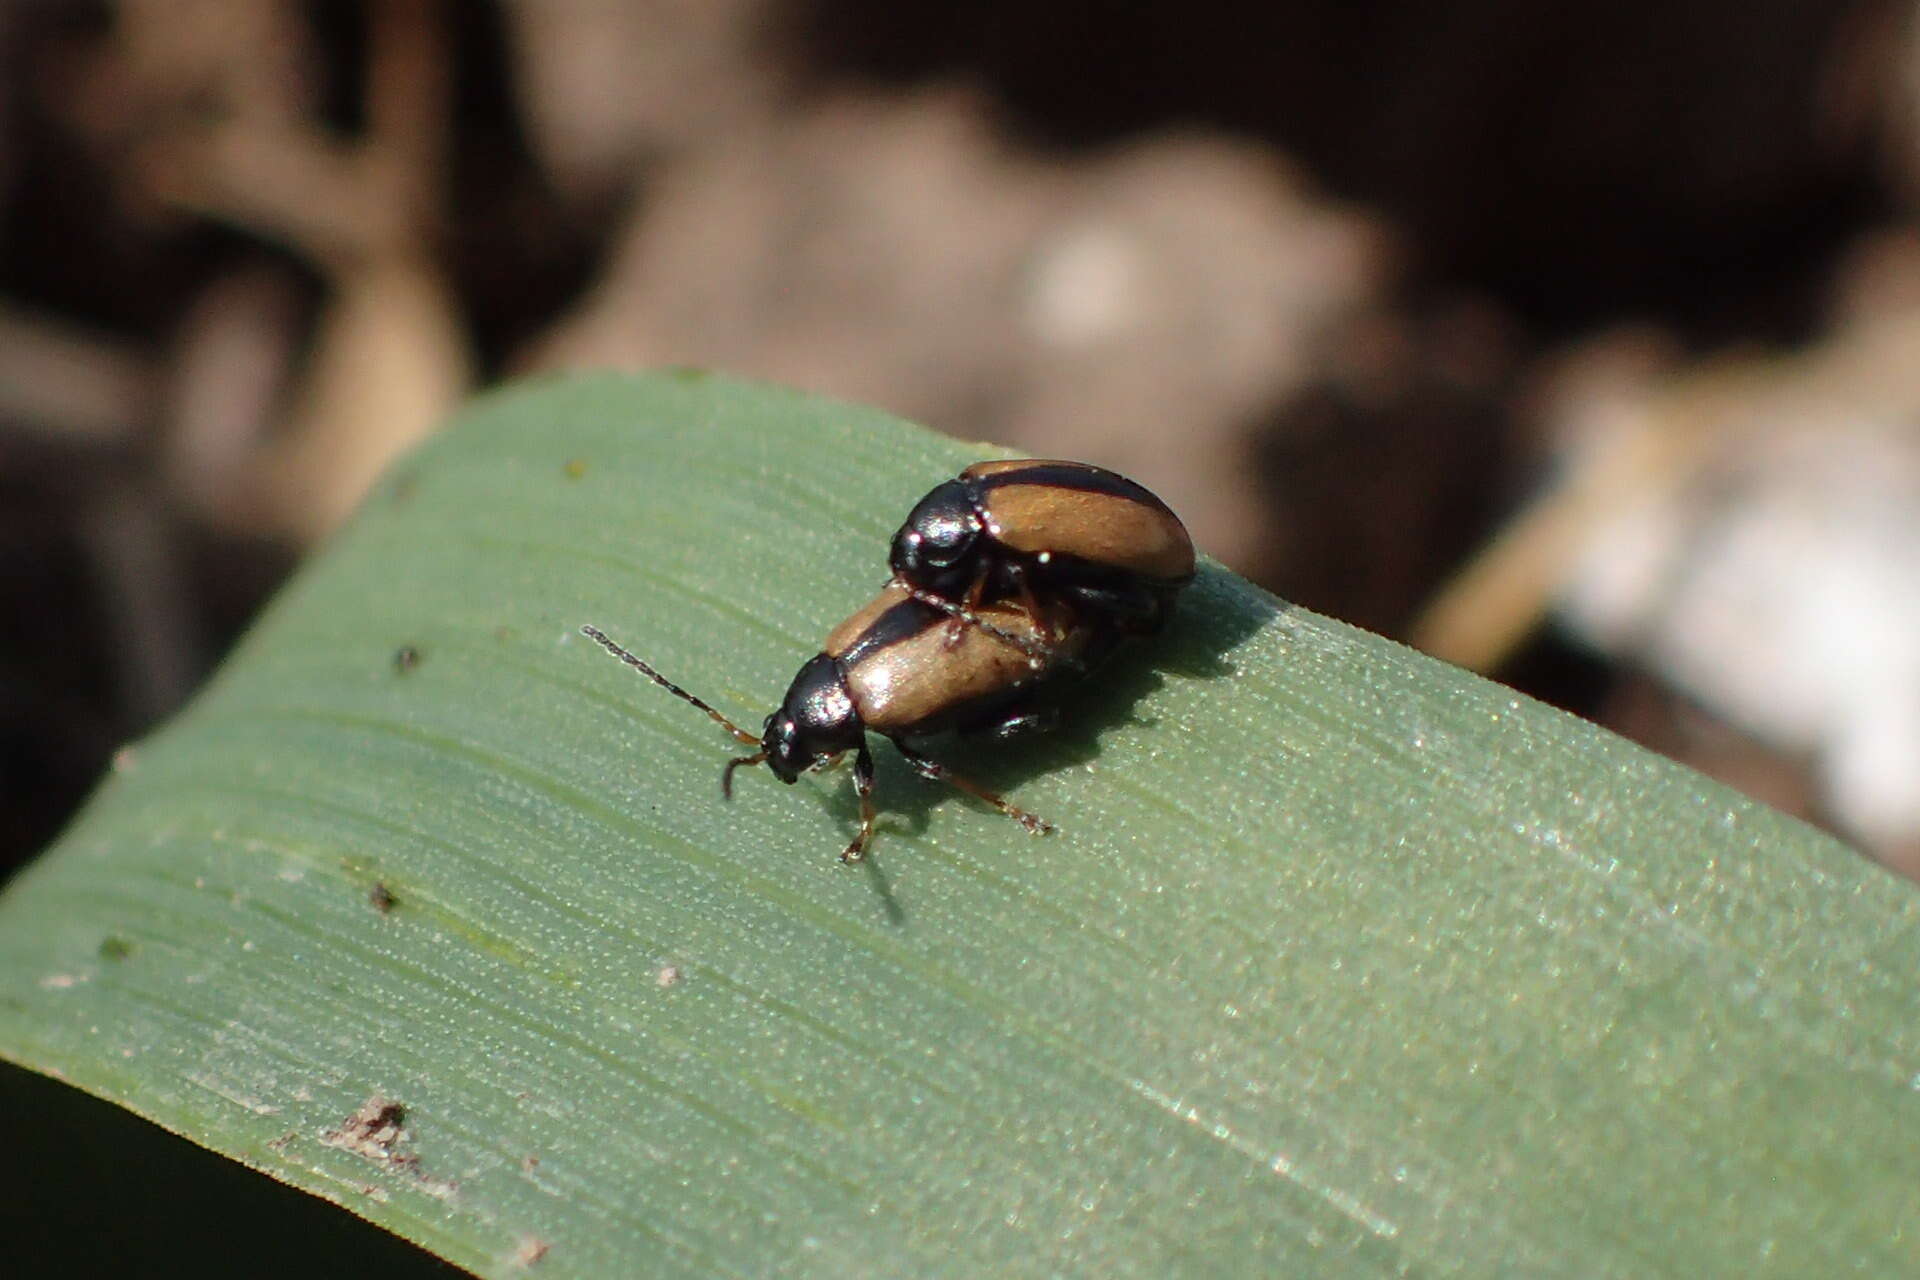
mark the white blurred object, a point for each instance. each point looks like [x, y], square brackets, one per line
[1770, 565]
[1781, 585]
[1748, 529]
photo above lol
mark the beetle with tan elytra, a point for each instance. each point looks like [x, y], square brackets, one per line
[892, 669]
[1050, 534]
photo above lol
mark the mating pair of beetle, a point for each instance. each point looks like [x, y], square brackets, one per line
[1006, 580]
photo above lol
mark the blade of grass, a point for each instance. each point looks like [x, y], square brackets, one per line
[1341, 960]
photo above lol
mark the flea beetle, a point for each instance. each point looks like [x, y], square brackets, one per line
[891, 669]
[1046, 533]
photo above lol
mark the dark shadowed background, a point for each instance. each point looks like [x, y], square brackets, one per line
[1580, 344]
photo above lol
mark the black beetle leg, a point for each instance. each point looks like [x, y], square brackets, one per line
[1021, 723]
[937, 772]
[1035, 713]
[1042, 622]
[1135, 609]
[863, 785]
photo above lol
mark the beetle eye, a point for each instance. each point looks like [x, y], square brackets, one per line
[782, 746]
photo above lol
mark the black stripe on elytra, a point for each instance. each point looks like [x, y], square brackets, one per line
[1084, 479]
[896, 623]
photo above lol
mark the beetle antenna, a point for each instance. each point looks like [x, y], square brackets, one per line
[600, 637]
[1037, 651]
[726, 774]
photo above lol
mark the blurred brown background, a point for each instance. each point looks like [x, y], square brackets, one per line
[1580, 344]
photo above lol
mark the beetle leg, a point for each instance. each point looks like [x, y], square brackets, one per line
[863, 785]
[937, 772]
[1035, 713]
[969, 610]
[1038, 652]
[1020, 723]
[1135, 609]
[1035, 610]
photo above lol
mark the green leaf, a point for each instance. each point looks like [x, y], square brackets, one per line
[1341, 961]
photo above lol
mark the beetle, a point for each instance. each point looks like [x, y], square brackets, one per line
[890, 669]
[1048, 533]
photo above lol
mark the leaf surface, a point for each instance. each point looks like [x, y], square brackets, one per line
[1341, 962]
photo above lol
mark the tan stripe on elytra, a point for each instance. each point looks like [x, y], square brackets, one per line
[1099, 527]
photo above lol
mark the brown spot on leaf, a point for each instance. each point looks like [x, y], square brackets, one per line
[373, 1131]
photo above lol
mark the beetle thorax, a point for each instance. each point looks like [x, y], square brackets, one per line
[939, 539]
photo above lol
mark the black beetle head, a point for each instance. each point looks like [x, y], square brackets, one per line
[937, 544]
[815, 720]
[781, 742]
